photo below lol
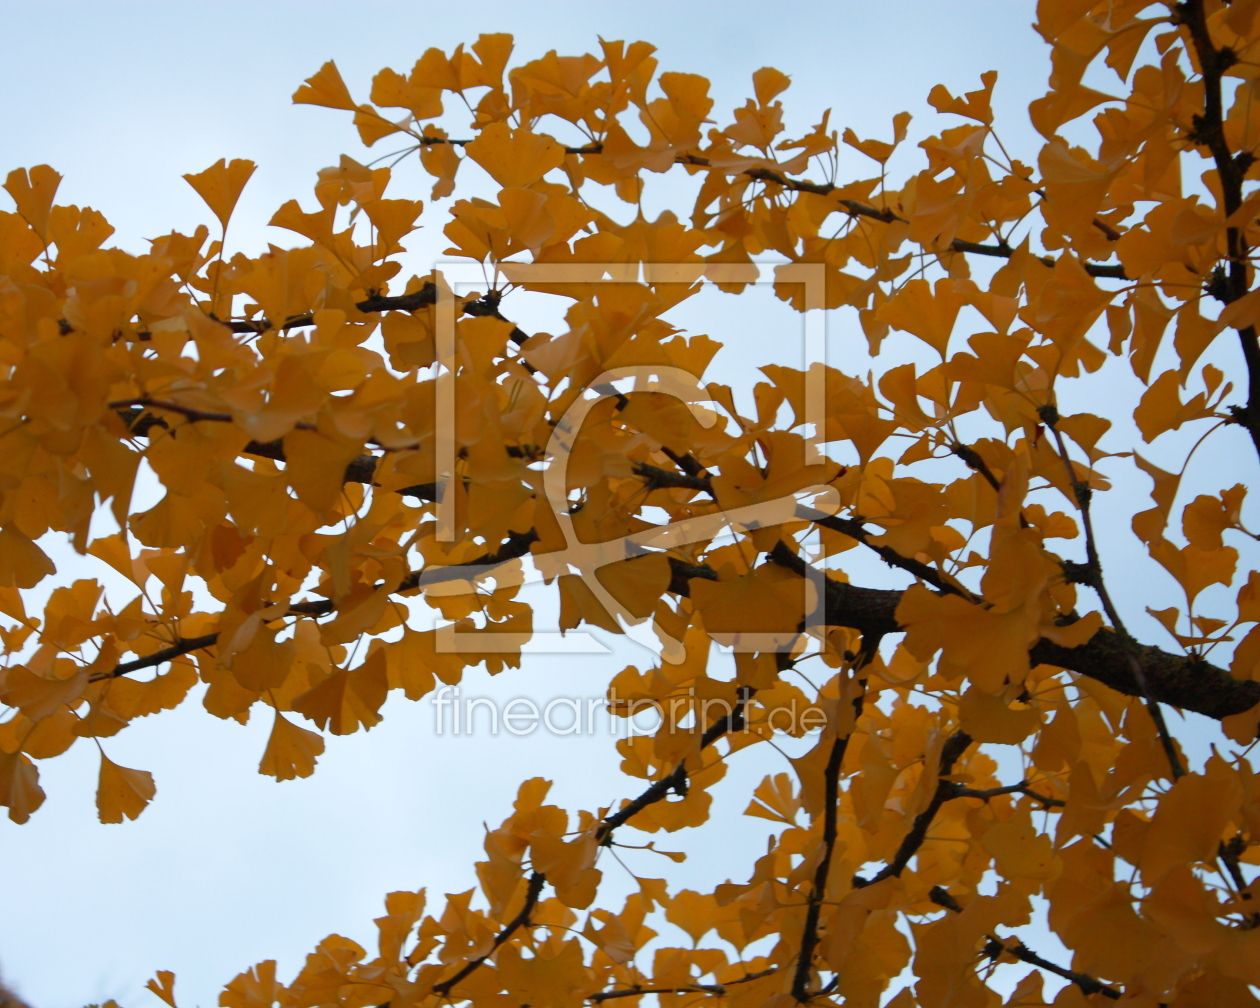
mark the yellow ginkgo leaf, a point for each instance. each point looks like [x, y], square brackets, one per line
[989, 718]
[22, 563]
[348, 698]
[393, 90]
[316, 464]
[291, 750]
[221, 185]
[163, 986]
[769, 83]
[122, 792]
[515, 158]
[927, 314]
[1020, 851]
[372, 125]
[637, 584]
[392, 219]
[974, 105]
[20, 792]
[33, 192]
[325, 88]
[315, 226]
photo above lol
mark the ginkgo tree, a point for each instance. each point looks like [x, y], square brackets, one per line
[335, 448]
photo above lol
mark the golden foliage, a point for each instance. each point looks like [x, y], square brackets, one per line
[332, 451]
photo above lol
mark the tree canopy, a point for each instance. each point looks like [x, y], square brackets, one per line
[333, 449]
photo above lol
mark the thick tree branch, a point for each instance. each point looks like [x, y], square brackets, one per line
[660, 479]
[1183, 681]
[1186, 682]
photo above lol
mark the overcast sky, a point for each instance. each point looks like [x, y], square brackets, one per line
[226, 867]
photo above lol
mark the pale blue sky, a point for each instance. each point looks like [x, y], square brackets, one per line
[227, 868]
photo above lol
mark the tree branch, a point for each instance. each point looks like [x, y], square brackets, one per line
[1184, 681]
[831, 807]
[532, 893]
[975, 462]
[1230, 854]
[1082, 492]
[180, 647]
[954, 747]
[715, 989]
[424, 297]
[1231, 170]
[517, 545]
[853, 207]
[660, 479]
[1020, 788]
[675, 782]
[359, 470]
[1088, 984]
[853, 528]
[1187, 682]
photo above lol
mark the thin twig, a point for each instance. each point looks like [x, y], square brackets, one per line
[854, 529]
[658, 479]
[532, 893]
[517, 545]
[953, 748]
[422, 298]
[831, 807]
[854, 208]
[975, 462]
[1082, 492]
[716, 989]
[179, 648]
[1230, 854]
[1231, 170]
[1088, 984]
[676, 781]
[1020, 788]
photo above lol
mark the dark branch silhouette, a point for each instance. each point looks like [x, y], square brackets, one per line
[532, 893]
